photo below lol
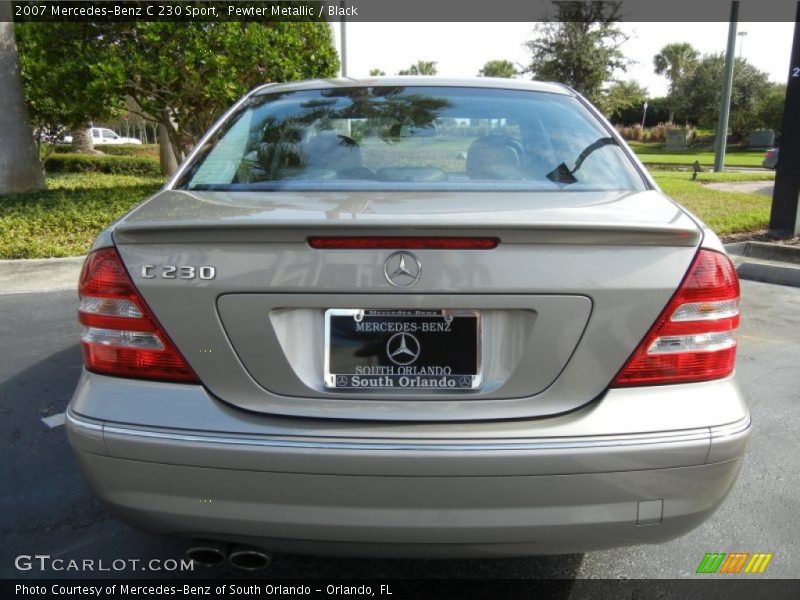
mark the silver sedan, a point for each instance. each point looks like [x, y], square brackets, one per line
[410, 317]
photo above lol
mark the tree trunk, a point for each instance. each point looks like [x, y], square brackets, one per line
[671, 116]
[82, 141]
[177, 140]
[166, 154]
[20, 169]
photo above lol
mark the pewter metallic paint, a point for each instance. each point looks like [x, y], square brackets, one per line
[544, 458]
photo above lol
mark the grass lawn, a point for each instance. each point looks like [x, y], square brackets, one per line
[64, 219]
[656, 154]
[724, 212]
[732, 159]
[711, 177]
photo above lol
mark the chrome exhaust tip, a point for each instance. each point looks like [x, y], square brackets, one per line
[208, 554]
[248, 558]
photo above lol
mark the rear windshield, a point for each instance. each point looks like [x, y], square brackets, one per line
[417, 138]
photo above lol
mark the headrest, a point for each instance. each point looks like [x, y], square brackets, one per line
[494, 156]
[329, 150]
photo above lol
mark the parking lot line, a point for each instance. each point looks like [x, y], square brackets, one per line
[54, 421]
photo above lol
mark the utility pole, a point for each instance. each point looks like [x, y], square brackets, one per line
[343, 40]
[784, 218]
[727, 84]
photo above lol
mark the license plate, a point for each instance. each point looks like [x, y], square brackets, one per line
[402, 349]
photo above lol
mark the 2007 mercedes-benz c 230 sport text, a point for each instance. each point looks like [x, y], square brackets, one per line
[410, 317]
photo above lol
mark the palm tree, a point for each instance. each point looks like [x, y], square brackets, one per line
[423, 67]
[20, 169]
[675, 61]
[499, 68]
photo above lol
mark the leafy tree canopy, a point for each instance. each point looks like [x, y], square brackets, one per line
[188, 74]
[621, 96]
[61, 68]
[499, 68]
[580, 48]
[770, 110]
[183, 74]
[703, 88]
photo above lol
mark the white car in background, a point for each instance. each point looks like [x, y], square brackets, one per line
[101, 135]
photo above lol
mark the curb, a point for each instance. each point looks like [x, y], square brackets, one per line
[33, 275]
[767, 263]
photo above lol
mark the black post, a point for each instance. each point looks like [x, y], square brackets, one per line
[785, 216]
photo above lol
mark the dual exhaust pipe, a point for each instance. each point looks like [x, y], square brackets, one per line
[215, 554]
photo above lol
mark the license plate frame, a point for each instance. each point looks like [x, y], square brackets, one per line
[386, 376]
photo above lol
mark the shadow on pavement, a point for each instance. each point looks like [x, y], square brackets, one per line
[47, 508]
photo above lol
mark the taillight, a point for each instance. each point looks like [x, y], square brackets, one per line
[693, 338]
[121, 336]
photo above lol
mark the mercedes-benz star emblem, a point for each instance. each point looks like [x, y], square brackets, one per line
[402, 269]
[402, 348]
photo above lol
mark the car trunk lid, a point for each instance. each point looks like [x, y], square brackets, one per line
[575, 282]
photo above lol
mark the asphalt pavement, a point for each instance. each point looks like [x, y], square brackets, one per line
[47, 509]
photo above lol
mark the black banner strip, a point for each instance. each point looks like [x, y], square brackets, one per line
[671, 11]
[707, 588]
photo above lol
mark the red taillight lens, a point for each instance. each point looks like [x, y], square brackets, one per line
[693, 338]
[410, 243]
[121, 336]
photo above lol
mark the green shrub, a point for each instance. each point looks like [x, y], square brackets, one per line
[98, 163]
[64, 219]
[114, 149]
[129, 149]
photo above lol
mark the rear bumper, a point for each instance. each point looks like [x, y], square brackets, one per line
[411, 490]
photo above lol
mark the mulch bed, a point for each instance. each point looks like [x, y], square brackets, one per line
[761, 235]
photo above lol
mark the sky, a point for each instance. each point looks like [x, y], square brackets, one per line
[461, 49]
